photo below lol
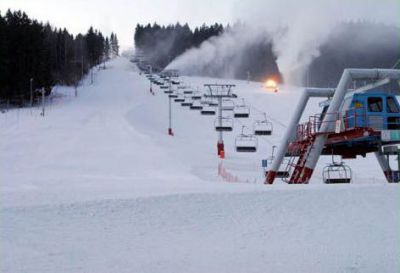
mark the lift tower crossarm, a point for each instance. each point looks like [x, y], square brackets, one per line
[220, 90]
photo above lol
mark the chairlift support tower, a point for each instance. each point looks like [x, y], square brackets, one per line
[312, 146]
[170, 132]
[220, 91]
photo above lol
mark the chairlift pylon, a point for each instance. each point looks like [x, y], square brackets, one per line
[246, 143]
[263, 127]
[336, 173]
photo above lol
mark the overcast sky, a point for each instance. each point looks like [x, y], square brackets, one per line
[121, 16]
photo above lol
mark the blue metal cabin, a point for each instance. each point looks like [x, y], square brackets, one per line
[368, 119]
[375, 109]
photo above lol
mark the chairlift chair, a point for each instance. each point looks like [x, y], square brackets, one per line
[212, 103]
[175, 82]
[283, 170]
[228, 105]
[188, 102]
[180, 98]
[246, 143]
[226, 124]
[196, 105]
[169, 91]
[262, 127]
[336, 173]
[197, 96]
[173, 95]
[241, 110]
[208, 110]
[188, 91]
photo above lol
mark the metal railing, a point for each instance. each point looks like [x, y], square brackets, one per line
[353, 118]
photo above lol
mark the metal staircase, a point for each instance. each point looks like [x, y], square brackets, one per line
[296, 170]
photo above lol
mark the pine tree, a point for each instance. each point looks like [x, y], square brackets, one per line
[107, 49]
[114, 45]
[31, 50]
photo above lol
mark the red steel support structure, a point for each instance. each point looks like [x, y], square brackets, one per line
[310, 154]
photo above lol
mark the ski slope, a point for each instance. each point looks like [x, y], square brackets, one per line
[97, 185]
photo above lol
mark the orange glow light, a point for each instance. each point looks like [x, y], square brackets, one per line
[271, 85]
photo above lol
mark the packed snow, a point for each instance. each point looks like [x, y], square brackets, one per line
[97, 185]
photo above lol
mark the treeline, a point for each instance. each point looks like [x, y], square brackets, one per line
[35, 53]
[162, 44]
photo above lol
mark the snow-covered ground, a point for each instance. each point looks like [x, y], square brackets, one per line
[98, 186]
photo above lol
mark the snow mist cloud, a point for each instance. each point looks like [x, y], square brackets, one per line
[296, 28]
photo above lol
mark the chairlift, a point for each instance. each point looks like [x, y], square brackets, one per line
[282, 171]
[175, 82]
[263, 127]
[336, 173]
[180, 98]
[208, 110]
[212, 103]
[225, 126]
[188, 91]
[196, 105]
[188, 102]
[197, 96]
[168, 91]
[228, 105]
[241, 110]
[173, 95]
[246, 143]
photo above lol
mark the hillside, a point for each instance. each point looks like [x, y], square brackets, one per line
[97, 185]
